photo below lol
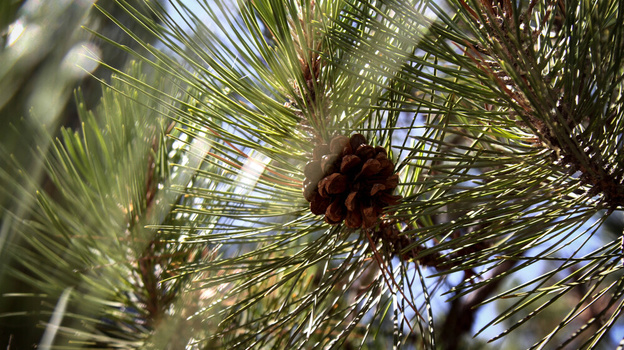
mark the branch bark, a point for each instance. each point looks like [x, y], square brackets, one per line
[462, 314]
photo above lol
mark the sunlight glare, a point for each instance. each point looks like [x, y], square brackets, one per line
[250, 173]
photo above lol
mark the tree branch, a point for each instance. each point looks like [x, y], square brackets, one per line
[461, 315]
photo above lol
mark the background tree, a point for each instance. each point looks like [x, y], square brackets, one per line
[45, 53]
[331, 185]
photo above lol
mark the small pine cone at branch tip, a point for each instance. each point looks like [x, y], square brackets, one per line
[349, 180]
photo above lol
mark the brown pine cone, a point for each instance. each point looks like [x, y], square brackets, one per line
[349, 180]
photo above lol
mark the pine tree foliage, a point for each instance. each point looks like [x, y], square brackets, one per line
[180, 219]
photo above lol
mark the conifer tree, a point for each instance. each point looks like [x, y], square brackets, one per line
[348, 174]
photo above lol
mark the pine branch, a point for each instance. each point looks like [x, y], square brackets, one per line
[308, 176]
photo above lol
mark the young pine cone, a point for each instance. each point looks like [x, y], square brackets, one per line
[350, 180]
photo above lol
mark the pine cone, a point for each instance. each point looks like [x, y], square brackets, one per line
[349, 180]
